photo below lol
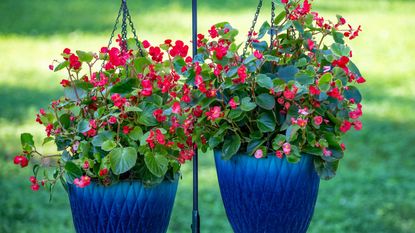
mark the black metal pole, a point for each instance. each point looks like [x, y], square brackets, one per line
[195, 213]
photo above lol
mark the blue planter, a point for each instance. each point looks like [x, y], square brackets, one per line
[267, 195]
[123, 207]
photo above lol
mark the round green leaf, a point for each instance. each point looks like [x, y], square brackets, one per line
[247, 105]
[324, 82]
[266, 101]
[157, 164]
[264, 81]
[122, 159]
[266, 122]
[231, 146]
[108, 145]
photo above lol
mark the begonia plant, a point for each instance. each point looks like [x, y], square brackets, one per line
[123, 117]
[293, 97]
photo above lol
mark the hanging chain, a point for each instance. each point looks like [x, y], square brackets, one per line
[251, 30]
[272, 24]
[134, 33]
[124, 26]
[117, 21]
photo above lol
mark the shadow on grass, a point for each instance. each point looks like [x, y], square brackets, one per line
[18, 102]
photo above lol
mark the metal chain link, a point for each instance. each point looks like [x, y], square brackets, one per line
[134, 33]
[123, 42]
[251, 30]
[272, 24]
[117, 21]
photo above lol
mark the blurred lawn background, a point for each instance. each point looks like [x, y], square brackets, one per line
[374, 190]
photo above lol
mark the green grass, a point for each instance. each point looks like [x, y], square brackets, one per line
[374, 190]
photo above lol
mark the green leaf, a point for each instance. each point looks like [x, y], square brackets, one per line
[235, 113]
[136, 133]
[156, 163]
[340, 49]
[265, 101]
[326, 170]
[122, 159]
[65, 120]
[353, 93]
[141, 63]
[72, 171]
[102, 137]
[264, 81]
[62, 65]
[260, 46]
[247, 105]
[85, 56]
[287, 73]
[125, 86]
[280, 17]
[215, 141]
[278, 141]
[108, 145]
[253, 145]
[231, 146]
[324, 82]
[266, 122]
[291, 133]
[83, 126]
[47, 140]
[27, 141]
[263, 30]
[73, 93]
[132, 109]
[146, 117]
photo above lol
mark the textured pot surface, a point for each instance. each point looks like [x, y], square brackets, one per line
[267, 195]
[123, 207]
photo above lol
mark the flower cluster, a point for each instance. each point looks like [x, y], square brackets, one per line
[295, 96]
[122, 119]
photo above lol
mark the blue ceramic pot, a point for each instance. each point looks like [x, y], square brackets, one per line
[122, 207]
[267, 195]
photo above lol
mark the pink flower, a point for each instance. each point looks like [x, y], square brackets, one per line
[214, 113]
[147, 87]
[314, 90]
[360, 80]
[303, 111]
[259, 153]
[112, 120]
[233, 104]
[83, 182]
[126, 129]
[286, 147]
[51, 67]
[65, 83]
[35, 187]
[176, 108]
[118, 101]
[327, 153]
[310, 44]
[146, 44]
[279, 154]
[103, 172]
[158, 114]
[213, 32]
[160, 137]
[318, 120]
[301, 122]
[258, 54]
[357, 125]
[86, 165]
[21, 160]
[345, 126]
[242, 75]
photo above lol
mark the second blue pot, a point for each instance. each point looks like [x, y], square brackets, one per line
[125, 207]
[267, 195]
